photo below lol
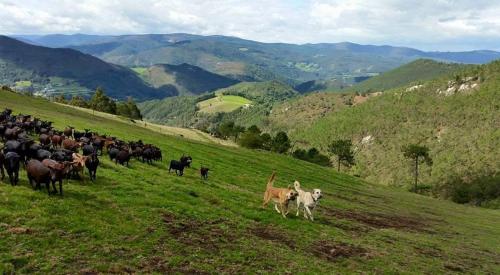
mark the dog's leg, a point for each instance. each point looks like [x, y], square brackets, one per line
[298, 207]
[267, 198]
[276, 207]
[309, 213]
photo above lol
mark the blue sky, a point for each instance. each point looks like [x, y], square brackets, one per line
[425, 24]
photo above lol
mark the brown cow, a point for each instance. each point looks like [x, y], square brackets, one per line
[58, 172]
[71, 145]
[44, 139]
[57, 141]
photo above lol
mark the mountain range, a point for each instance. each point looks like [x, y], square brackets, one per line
[251, 60]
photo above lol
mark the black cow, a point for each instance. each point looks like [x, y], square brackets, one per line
[187, 160]
[62, 155]
[113, 152]
[43, 154]
[11, 164]
[177, 166]
[92, 163]
[88, 150]
[2, 161]
[122, 157]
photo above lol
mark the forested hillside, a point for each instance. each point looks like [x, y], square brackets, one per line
[457, 118]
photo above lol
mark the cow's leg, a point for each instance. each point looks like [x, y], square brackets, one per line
[2, 172]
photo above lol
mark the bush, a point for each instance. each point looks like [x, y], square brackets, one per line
[477, 190]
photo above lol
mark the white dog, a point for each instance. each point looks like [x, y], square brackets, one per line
[307, 199]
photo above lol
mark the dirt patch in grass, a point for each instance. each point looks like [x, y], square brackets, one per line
[271, 233]
[333, 251]
[209, 234]
[431, 252]
[378, 220]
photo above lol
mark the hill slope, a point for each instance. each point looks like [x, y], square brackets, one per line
[140, 219]
[251, 60]
[416, 71]
[68, 71]
[185, 79]
[457, 118]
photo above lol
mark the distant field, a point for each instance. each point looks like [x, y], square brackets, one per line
[139, 70]
[225, 103]
[23, 83]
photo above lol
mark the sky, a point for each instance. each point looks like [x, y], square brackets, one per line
[425, 24]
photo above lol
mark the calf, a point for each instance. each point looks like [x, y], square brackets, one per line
[92, 163]
[78, 165]
[204, 172]
[38, 173]
[58, 171]
[11, 164]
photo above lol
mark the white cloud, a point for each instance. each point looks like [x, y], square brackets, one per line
[428, 24]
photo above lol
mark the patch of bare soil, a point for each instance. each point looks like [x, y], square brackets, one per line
[332, 251]
[270, 233]
[207, 234]
[378, 220]
[158, 264]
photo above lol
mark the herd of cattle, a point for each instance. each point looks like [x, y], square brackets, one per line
[56, 156]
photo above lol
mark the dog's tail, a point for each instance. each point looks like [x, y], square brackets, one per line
[296, 184]
[271, 179]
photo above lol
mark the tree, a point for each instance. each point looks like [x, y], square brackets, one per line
[128, 109]
[267, 141]
[226, 129]
[418, 154]
[280, 143]
[251, 138]
[342, 148]
[78, 101]
[60, 99]
[101, 102]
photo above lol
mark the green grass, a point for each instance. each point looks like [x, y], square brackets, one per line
[223, 104]
[141, 219]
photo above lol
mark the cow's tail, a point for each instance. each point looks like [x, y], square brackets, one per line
[271, 179]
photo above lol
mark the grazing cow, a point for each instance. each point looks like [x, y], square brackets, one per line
[177, 166]
[43, 154]
[70, 144]
[79, 165]
[92, 163]
[187, 160]
[204, 172]
[147, 155]
[122, 157]
[38, 173]
[2, 161]
[57, 141]
[11, 164]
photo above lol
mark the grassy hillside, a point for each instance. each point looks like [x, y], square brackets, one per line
[184, 79]
[55, 71]
[140, 219]
[223, 104]
[456, 118]
[415, 72]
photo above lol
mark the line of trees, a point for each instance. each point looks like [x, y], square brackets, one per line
[102, 103]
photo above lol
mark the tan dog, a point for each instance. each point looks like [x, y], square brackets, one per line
[280, 196]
